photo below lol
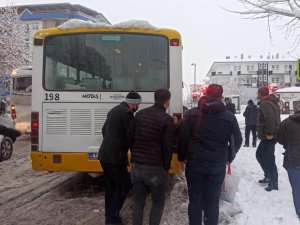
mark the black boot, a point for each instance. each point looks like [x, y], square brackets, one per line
[245, 145]
[271, 187]
[264, 181]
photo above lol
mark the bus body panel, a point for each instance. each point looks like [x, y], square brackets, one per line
[176, 79]
[61, 161]
[70, 125]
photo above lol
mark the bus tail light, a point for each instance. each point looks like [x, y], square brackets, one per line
[13, 112]
[174, 42]
[34, 131]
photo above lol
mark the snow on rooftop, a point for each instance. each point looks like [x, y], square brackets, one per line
[129, 24]
[238, 60]
[288, 90]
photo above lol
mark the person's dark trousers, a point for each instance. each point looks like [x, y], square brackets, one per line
[266, 157]
[147, 179]
[204, 189]
[294, 177]
[117, 186]
[253, 129]
[260, 157]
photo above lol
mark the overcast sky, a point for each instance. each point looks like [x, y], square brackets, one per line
[209, 32]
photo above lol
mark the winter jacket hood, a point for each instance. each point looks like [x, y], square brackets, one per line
[271, 98]
[210, 105]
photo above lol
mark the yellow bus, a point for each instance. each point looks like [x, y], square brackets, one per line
[81, 71]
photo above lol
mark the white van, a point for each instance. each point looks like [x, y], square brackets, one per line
[20, 97]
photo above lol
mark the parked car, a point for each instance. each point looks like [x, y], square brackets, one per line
[8, 133]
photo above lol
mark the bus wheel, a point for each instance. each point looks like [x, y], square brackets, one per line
[6, 148]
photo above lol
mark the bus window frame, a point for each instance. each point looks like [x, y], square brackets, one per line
[105, 32]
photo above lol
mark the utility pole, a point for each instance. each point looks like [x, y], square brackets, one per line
[195, 70]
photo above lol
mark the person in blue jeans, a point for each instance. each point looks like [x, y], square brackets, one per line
[289, 137]
[206, 135]
[268, 121]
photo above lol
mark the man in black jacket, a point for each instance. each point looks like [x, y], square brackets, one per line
[229, 105]
[268, 121]
[250, 115]
[288, 135]
[113, 156]
[151, 141]
[207, 134]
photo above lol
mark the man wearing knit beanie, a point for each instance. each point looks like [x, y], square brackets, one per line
[113, 156]
[133, 99]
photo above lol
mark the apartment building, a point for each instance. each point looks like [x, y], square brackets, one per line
[40, 16]
[254, 73]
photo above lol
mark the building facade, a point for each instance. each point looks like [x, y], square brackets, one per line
[42, 16]
[254, 73]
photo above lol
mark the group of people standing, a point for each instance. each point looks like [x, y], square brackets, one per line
[265, 120]
[204, 139]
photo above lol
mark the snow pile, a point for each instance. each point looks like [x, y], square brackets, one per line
[177, 207]
[130, 24]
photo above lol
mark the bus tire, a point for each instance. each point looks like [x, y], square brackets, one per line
[6, 149]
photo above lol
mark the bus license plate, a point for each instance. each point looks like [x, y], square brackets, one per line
[93, 155]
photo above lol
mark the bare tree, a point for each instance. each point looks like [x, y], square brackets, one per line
[285, 12]
[14, 50]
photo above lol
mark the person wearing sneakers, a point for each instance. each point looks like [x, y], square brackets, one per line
[113, 156]
[267, 125]
[250, 115]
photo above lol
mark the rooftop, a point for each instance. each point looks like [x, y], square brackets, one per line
[288, 90]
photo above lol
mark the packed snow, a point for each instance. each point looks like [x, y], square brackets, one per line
[253, 205]
[130, 24]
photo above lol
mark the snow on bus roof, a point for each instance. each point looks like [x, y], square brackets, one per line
[288, 90]
[129, 24]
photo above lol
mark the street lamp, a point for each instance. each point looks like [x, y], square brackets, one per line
[195, 66]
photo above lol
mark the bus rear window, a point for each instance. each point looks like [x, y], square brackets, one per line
[106, 62]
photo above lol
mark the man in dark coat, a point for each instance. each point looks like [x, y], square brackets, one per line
[113, 156]
[250, 115]
[205, 139]
[288, 135]
[267, 125]
[151, 137]
[229, 105]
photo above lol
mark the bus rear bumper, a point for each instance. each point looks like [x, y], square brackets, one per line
[80, 162]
